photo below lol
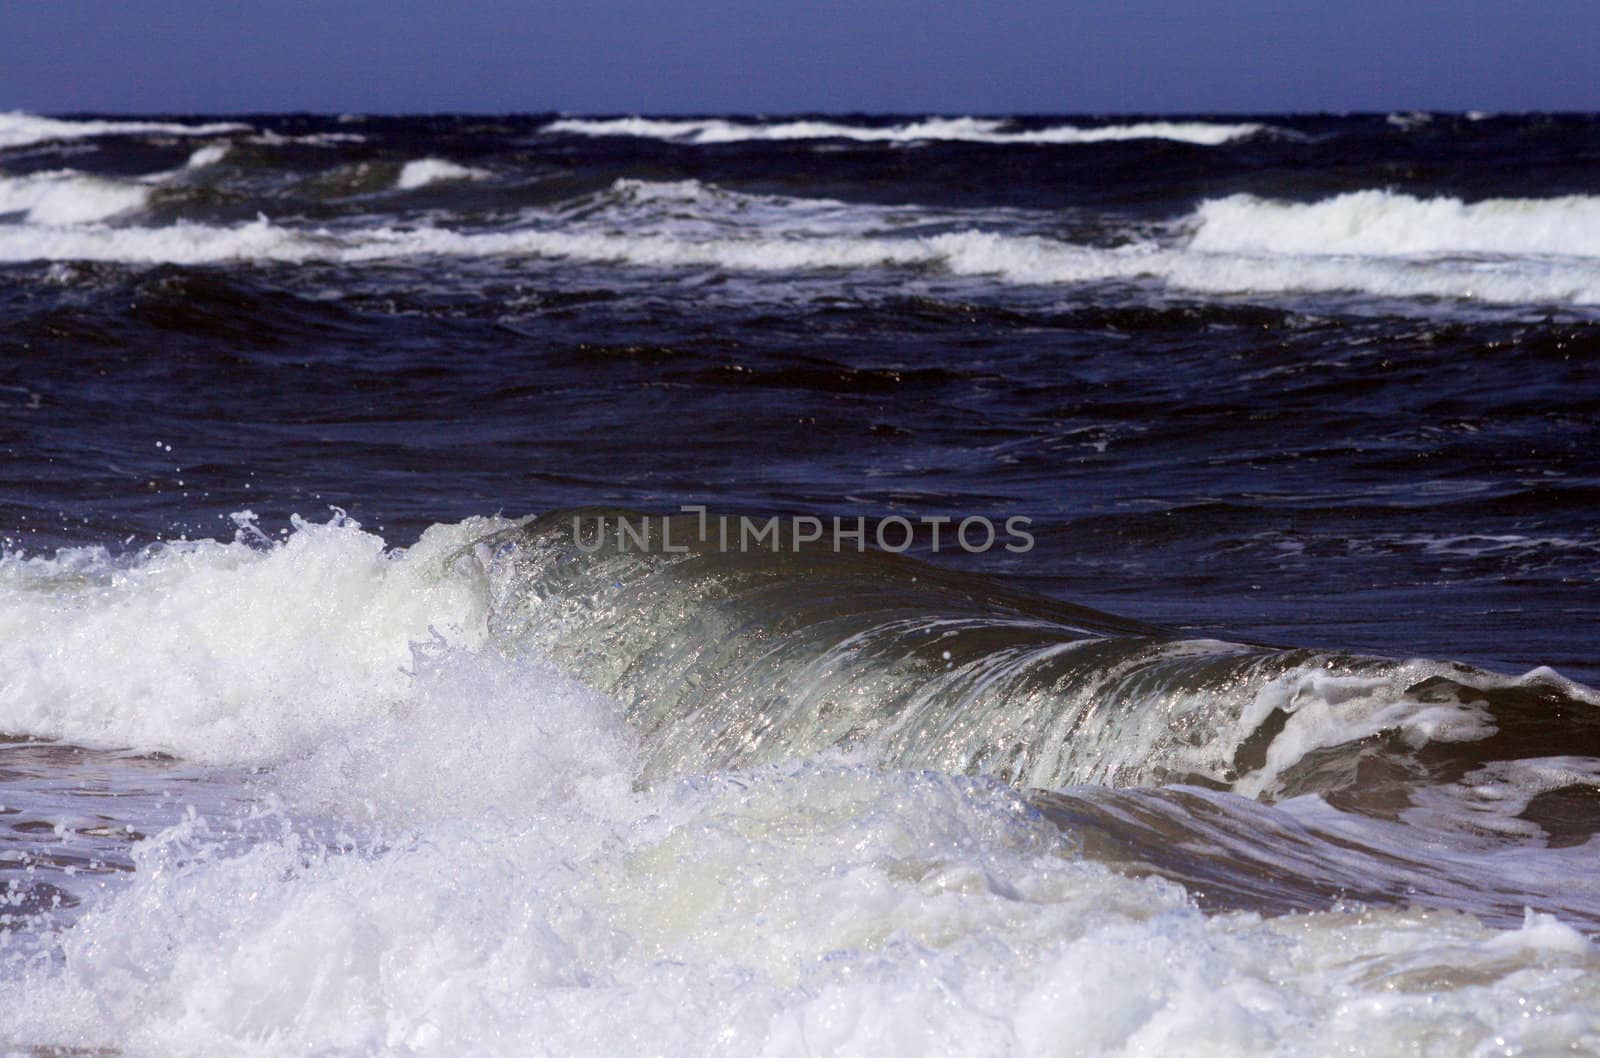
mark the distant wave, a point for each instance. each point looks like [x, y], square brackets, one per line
[425, 171]
[1410, 119]
[210, 154]
[64, 197]
[21, 130]
[1383, 223]
[268, 138]
[1505, 252]
[973, 130]
[1009, 258]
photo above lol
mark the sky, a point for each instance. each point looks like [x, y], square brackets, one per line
[791, 56]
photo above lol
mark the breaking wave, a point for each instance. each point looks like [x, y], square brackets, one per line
[1387, 224]
[718, 659]
[23, 130]
[931, 669]
[500, 791]
[1525, 251]
[64, 197]
[425, 171]
[233, 652]
[579, 780]
[210, 154]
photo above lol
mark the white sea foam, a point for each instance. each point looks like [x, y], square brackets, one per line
[492, 880]
[210, 154]
[424, 171]
[1022, 259]
[222, 651]
[1410, 119]
[797, 910]
[525, 897]
[62, 197]
[1326, 710]
[238, 652]
[1388, 224]
[972, 130]
[1518, 282]
[20, 130]
[1236, 245]
[269, 138]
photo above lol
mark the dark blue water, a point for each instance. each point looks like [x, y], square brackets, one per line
[1335, 466]
[1256, 750]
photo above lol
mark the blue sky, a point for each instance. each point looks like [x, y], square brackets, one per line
[787, 56]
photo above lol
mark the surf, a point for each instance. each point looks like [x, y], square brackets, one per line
[587, 775]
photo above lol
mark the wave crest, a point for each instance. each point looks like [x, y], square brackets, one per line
[63, 196]
[424, 171]
[1388, 224]
[18, 129]
[960, 129]
[1523, 251]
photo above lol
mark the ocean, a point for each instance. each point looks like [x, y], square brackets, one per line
[819, 584]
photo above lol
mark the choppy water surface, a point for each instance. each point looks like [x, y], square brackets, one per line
[326, 726]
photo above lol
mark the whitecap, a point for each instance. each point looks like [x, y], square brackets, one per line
[424, 171]
[959, 129]
[18, 129]
[1375, 243]
[1390, 224]
[208, 155]
[64, 196]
